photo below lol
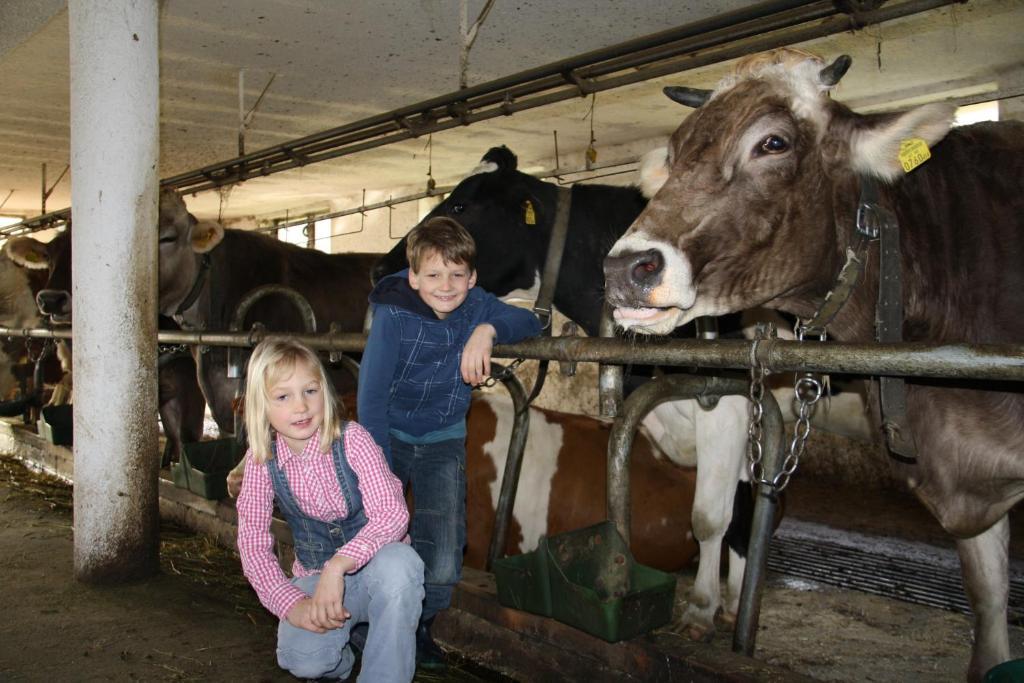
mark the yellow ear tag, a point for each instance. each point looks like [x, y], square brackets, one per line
[529, 215]
[913, 153]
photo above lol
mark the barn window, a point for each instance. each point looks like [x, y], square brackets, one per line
[298, 234]
[974, 113]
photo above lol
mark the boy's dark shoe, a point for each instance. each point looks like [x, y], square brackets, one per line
[428, 654]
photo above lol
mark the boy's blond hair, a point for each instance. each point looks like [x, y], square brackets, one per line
[271, 362]
[442, 236]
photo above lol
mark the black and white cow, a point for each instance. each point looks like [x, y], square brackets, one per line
[510, 215]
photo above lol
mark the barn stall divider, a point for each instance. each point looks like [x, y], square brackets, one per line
[956, 361]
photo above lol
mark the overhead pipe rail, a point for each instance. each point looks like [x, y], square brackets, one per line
[763, 26]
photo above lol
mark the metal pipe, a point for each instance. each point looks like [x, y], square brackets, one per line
[300, 302]
[639, 403]
[235, 370]
[609, 377]
[513, 466]
[765, 506]
[908, 359]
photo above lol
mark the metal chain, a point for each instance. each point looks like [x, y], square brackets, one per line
[163, 349]
[808, 391]
[500, 375]
[755, 430]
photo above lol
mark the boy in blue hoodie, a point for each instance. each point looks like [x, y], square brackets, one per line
[429, 345]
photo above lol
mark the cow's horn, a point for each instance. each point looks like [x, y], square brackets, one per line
[690, 97]
[831, 74]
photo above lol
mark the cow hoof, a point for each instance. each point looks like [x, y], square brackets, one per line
[699, 634]
[726, 619]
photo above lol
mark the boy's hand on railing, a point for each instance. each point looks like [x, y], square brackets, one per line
[476, 355]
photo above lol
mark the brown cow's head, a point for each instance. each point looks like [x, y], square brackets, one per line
[53, 295]
[182, 239]
[758, 179]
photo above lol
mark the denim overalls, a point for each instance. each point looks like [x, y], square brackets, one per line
[316, 541]
[387, 591]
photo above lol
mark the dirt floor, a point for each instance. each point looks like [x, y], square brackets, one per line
[198, 620]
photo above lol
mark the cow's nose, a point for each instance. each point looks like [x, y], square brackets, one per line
[53, 302]
[639, 268]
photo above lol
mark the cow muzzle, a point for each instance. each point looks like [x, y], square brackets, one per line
[641, 289]
[635, 271]
[55, 303]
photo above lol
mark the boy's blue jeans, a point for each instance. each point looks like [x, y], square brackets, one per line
[437, 474]
[388, 594]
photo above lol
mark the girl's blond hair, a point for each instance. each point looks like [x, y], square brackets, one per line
[271, 362]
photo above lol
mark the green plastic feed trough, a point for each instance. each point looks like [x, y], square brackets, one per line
[204, 467]
[588, 579]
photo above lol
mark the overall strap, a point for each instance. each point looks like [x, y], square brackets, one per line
[282, 491]
[348, 480]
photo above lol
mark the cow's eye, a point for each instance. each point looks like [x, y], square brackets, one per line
[456, 209]
[773, 144]
[167, 239]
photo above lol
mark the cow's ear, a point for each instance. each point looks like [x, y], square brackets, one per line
[502, 157]
[206, 235]
[28, 253]
[653, 171]
[875, 150]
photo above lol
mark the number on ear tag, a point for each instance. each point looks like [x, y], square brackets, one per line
[913, 153]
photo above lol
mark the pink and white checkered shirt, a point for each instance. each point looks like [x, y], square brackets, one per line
[314, 483]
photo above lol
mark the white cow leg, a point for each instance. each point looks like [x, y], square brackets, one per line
[698, 619]
[721, 449]
[984, 562]
[733, 587]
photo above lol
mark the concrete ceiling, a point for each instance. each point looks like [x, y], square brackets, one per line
[335, 62]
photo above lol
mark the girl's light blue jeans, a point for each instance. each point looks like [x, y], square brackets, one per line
[387, 593]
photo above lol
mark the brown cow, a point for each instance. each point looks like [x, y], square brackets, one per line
[180, 404]
[205, 270]
[18, 287]
[562, 485]
[238, 261]
[759, 209]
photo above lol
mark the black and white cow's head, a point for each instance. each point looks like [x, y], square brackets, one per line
[505, 211]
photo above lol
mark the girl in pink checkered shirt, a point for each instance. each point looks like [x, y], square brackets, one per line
[348, 520]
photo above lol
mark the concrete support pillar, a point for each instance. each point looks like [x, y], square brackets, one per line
[114, 155]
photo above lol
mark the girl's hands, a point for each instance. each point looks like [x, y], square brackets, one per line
[328, 608]
[476, 355]
[301, 616]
